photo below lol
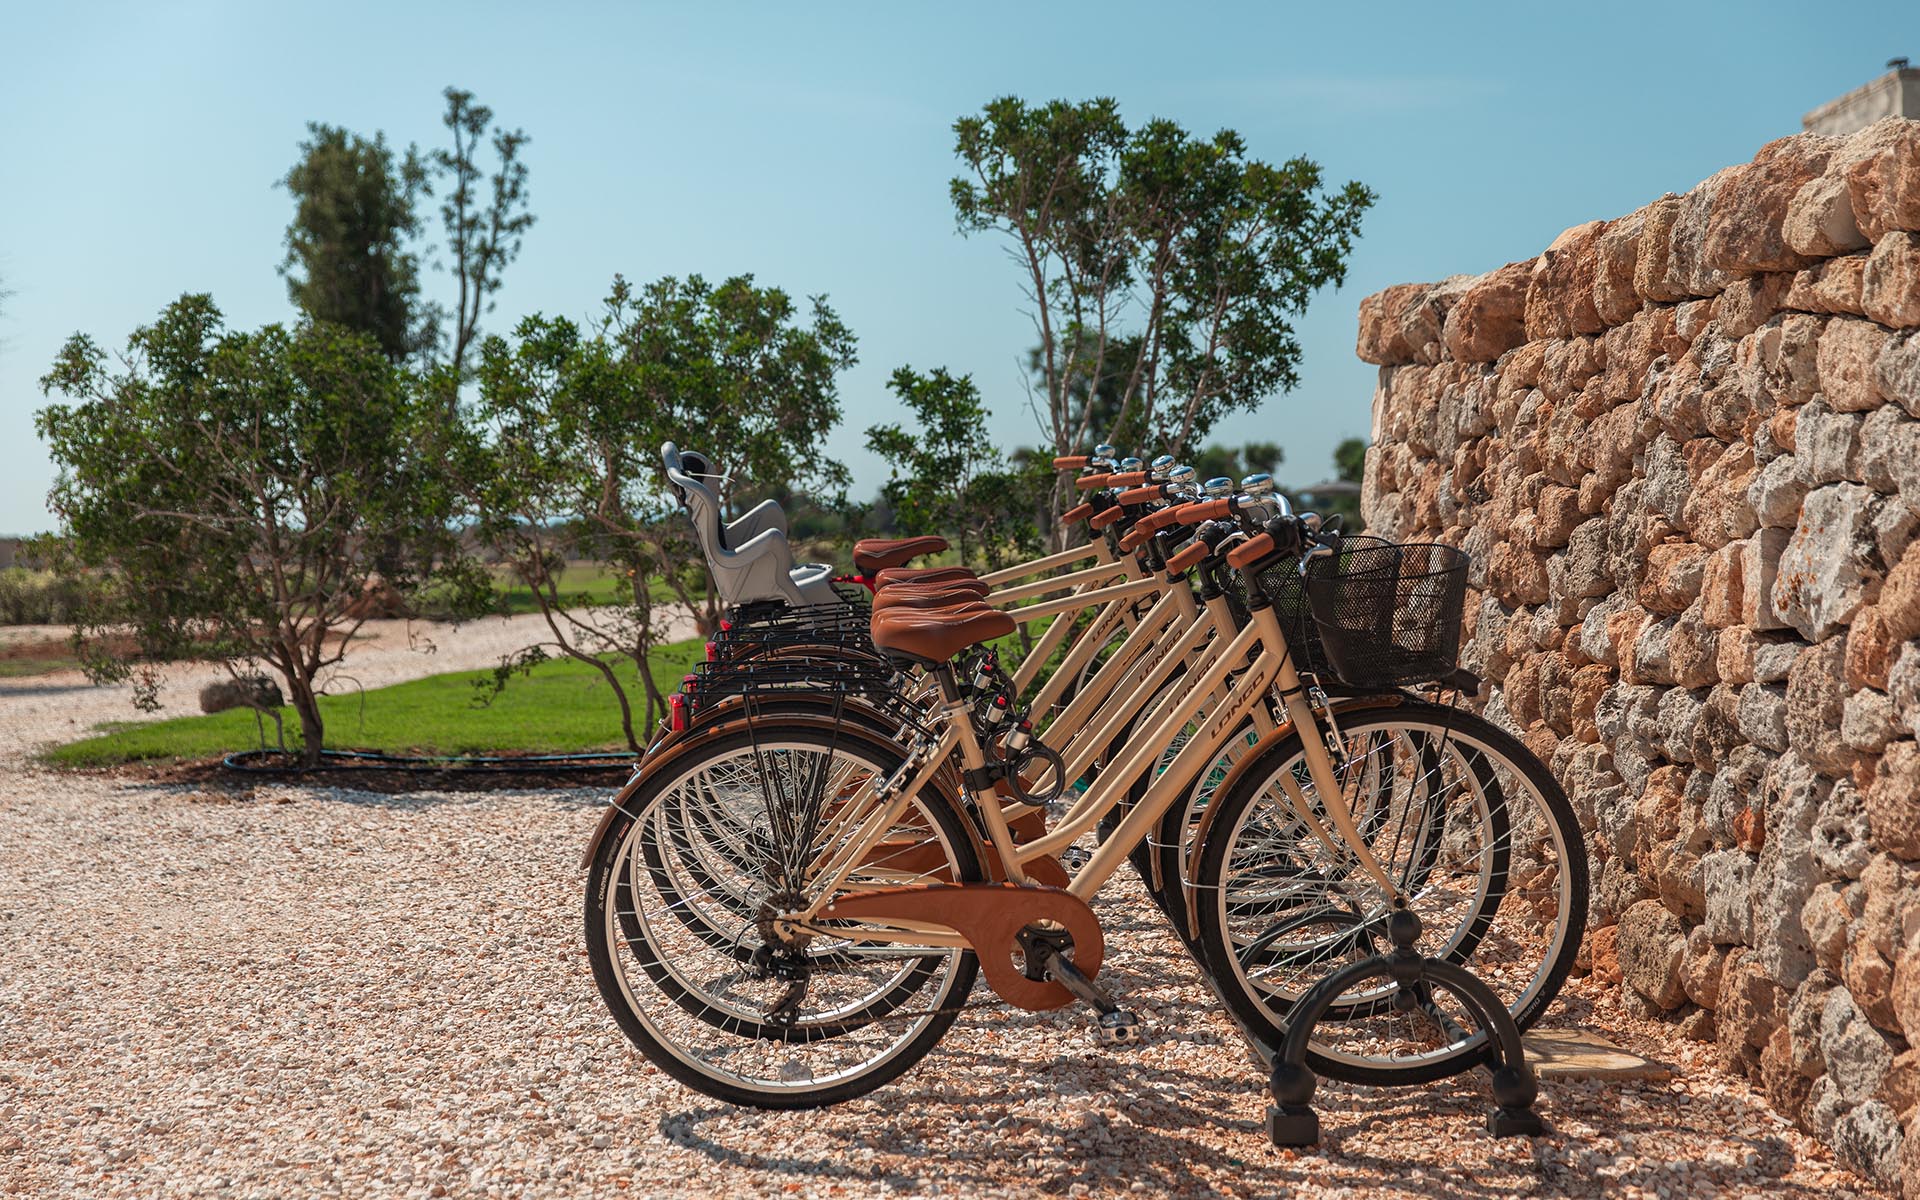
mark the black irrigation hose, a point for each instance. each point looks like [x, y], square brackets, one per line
[367, 760]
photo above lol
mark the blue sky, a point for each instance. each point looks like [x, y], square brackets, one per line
[811, 145]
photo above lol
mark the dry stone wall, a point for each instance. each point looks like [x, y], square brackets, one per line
[1683, 448]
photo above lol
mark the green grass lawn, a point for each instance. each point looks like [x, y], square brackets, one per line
[561, 706]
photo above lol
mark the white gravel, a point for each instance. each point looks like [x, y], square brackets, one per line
[297, 991]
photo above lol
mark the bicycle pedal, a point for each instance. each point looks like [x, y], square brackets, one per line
[1119, 1028]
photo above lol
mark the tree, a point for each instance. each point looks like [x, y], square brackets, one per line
[948, 476]
[484, 232]
[1350, 460]
[573, 420]
[231, 486]
[1179, 260]
[347, 259]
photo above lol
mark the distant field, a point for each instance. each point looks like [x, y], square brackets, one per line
[562, 706]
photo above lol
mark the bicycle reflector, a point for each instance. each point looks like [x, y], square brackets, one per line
[677, 713]
[710, 649]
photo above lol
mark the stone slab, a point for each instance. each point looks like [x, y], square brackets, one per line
[1582, 1054]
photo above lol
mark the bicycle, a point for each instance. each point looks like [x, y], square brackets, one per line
[890, 805]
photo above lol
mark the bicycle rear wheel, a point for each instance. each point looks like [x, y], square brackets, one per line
[679, 899]
[1474, 832]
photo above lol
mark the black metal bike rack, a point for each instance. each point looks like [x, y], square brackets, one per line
[1291, 1121]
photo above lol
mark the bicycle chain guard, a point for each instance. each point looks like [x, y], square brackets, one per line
[990, 916]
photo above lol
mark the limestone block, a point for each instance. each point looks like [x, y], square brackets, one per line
[1701, 967]
[1867, 723]
[1889, 452]
[1786, 349]
[1734, 654]
[1832, 286]
[1893, 802]
[1750, 302]
[1673, 579]
[1848, 352]
[1890, 285]
[1816, 700]
[1882, 168]
[1616, 253]
[1745, 233]
[1867, 1141]
[1763, 715]
[1827, 444]
[1775, 492]
[1824, 919]
[1653, 275]
[1760, 571]
[1841, 844]
[1819, 221]
[1857, 1055]
[1561, 286]
[1831, 562]
[1689, 266]
[1903, 687]
[1652, 945]
[1787, 874]
[1732, 794]
[1899, 372]
[1490, 317]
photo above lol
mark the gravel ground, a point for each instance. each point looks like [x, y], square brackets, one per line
[61, 706]
[297, 991]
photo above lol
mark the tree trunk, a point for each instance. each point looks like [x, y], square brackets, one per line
[312, 728]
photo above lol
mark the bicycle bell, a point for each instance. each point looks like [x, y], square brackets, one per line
[1218, 488]
[1161, 467]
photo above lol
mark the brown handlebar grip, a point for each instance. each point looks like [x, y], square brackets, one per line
[1088, 483]
[1205, 510]
[1078, 512]
[1141, 495]
[1134, 536]
[1126, 479]
[1160, 519]
[1190, 555]
[1250, 551]
[1107, 516]
[1070, 462]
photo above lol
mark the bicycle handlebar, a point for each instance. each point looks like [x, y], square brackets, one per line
[1250, 551]
[1070, 462]
[1205, 510]
[1106, 517]
[1188, 556]
[1088, 483]
[1078, 512]
[1140, 495]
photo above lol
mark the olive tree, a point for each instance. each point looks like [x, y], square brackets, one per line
[948, 476]
[572, 419]
[234, 487]
[1163, 270]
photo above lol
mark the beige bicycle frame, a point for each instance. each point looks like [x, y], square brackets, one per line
[1271, 667]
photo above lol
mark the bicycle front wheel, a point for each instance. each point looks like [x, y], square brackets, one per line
[1473, 831]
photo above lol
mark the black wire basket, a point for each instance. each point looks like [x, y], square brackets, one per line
[1388, 614]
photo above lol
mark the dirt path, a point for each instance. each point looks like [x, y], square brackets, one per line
[307, 992]
[61, 705]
